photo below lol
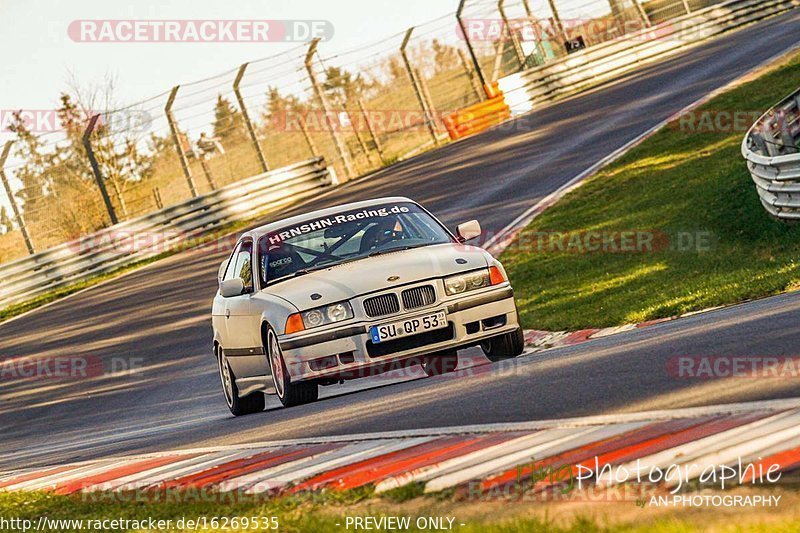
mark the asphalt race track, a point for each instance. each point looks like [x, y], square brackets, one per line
[158, 319]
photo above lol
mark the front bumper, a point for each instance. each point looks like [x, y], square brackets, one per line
[347, 352]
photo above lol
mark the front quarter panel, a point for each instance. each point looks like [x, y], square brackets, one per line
[273, 309]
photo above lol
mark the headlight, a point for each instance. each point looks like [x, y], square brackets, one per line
[466, 282]
[473, 280]
[319, 316]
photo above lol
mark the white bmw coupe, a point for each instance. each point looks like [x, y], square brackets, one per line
[353, 291]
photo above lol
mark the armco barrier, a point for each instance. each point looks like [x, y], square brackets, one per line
[591, 66]
[478, 117]
[149, 235]
[772, 151]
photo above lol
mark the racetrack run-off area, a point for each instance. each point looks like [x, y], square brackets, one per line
[150, 332]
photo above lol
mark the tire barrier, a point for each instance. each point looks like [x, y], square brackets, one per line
[772, 151]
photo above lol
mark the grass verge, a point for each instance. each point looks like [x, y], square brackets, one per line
[329, 511]
[687, 192]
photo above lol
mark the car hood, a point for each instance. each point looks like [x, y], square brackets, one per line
[345, 281]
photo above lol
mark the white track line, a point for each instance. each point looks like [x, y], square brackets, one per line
[358, 452]
[151, 473]
[51, 481]
[695, 450]
[549, 443]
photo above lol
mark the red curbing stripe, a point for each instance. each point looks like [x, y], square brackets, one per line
[241, 467]
[583, 453]
[401, 465]
[577, 337]
[788, 460]
[703, 428]
[30, 476]
[76, 485]
[337, 475]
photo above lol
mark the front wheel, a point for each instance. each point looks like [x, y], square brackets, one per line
[290, 394]
[505, 346]
[252, 403]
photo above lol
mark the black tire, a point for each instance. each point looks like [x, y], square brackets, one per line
[440, 363]
[505, 346]
[290, 394]
[252, 403]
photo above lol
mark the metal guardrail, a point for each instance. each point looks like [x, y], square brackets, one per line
[603, 62]
[152, 234]
[772, 151]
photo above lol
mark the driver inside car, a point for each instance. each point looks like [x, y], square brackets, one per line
[388, 229]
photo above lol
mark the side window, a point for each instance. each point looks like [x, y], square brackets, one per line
[240, 265]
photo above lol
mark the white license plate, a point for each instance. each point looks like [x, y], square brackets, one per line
[409, 326]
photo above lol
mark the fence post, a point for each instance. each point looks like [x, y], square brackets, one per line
[176, 139]
[426, 94]
[557, 18]
[98, 176]
[417, 89]
[246, 116]
[307, 135]
[537, 28]
[371, 131]
[475, 82]
[514, 38]
[337, 140]
[13, 201]
[463, 27]
[643, 13]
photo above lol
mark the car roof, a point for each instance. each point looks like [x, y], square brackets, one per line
[255, 233]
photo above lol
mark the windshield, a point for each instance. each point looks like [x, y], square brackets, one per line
[346, 236]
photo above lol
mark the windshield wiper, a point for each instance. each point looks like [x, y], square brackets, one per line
[398, 249]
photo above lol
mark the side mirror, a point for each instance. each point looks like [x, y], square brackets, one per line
[231, 287]
[468, 230]
[221, 272]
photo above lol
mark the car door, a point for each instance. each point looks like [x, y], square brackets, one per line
[242, 332]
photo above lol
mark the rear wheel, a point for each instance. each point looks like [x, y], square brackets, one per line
[290, 394]
[440, 363]
[252, 403]
[505, 346]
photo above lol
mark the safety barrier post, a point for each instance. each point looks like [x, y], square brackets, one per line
[246, 116]
[173, 128]
[98, 176]
[13, 201]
